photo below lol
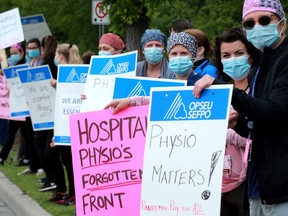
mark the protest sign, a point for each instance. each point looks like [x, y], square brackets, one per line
[4, 100]
[140, 86]
[35, 26]
[184, 151]
[101, 78]
[11, 31]
[17, 99]
[107, 155]
[40, 96]
[70, 85]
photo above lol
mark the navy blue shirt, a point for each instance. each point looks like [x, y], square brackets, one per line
[193, 78]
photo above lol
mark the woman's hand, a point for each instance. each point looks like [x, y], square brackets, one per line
[83, 96]
[118, 104]
[53, 82]
[204, 82]
[52, 144]
[233, 119]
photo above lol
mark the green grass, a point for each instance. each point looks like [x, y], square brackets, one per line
[30, 185]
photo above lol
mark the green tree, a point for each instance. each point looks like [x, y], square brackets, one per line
[132, 17]
[69, 21]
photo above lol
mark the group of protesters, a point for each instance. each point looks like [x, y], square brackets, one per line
[254, 58]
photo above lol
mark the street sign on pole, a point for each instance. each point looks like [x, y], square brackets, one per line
[100, 13]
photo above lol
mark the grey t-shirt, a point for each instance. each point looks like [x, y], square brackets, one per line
[141, 69]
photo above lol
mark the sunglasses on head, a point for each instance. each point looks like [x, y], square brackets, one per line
[250, 23]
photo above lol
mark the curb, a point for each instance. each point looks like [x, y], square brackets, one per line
[20, 203]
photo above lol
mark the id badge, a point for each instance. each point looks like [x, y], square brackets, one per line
[227, 166]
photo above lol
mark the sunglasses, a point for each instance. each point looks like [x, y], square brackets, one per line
[250, 23]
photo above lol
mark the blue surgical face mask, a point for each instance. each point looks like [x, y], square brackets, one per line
[33, 53]
[56, 62]
[153, 55]
[263, 36]
[27, 59]
[15, 58]
[180, 65]
[236, 67]
[104, 53]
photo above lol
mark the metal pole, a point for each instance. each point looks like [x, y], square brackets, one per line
[100, 31]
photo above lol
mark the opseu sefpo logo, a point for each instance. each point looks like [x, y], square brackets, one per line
[76, 77]
[178, 110]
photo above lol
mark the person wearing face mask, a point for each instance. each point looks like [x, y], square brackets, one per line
[182, 50]
[33, 52]
[62, 56]
[234, 57]
[203, 65]
[42, 138]
[17, 57]
[265, 107]
[110, 44]
[153, 43]
[35, 163]
[65, 54]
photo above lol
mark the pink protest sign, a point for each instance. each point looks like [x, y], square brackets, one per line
[4, 100]
[108, 153]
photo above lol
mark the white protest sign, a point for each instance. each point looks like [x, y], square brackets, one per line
[35, 27]
[40, 96]
[184, 151]
[17, 99]
[11, 31]
[70, 85]
[101, 78]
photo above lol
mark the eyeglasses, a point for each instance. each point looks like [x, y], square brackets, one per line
[250, 23]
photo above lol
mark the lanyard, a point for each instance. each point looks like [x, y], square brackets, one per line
[248, 148]
[254, 82]
[38, 62]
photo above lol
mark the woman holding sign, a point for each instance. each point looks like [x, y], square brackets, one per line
[182, 51]
[65, 54]
[43, 137]
[110, 44]
[17, 57]
[234, 57]
[265, 107]
[153, 43]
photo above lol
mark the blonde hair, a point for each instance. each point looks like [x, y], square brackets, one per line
[70, 53]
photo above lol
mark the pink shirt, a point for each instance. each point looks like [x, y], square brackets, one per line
[139, 100]
[236, 175]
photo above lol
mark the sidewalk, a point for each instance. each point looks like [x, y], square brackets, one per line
[20, 203]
